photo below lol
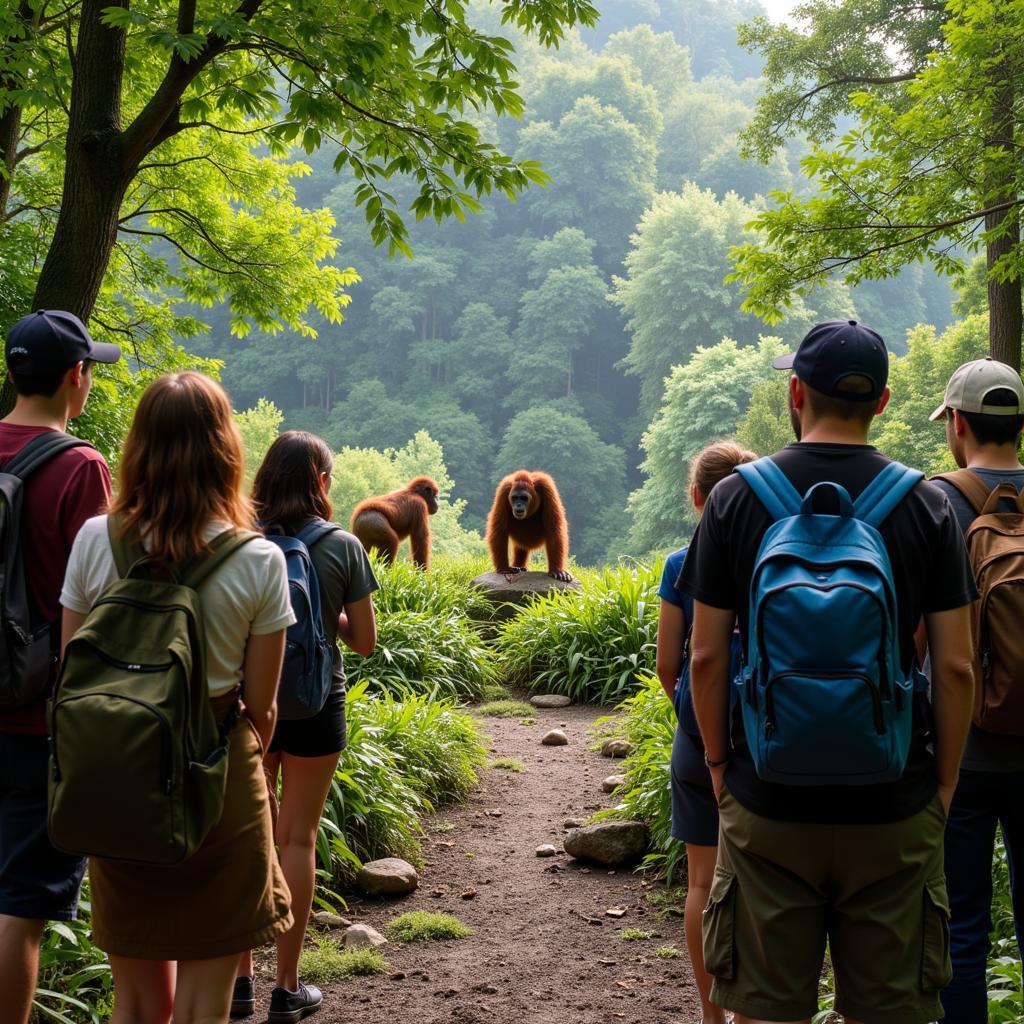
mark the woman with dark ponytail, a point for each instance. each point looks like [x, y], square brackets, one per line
[292, 490]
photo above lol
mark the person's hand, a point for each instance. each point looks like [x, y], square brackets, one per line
[717, 781]
[946, 796]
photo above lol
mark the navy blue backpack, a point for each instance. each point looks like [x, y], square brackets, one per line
[824, 698]
[306, 674]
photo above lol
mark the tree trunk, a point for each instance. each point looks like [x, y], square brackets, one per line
[1004, 297]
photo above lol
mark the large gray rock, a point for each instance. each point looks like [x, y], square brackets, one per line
[510, 593]
[550, 700]
[388, 877]
[608, 842]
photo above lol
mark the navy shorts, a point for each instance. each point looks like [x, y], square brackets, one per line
[694, 808]
[36, 881]
[318, 736]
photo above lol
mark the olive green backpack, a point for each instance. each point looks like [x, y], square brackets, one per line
[137, 761]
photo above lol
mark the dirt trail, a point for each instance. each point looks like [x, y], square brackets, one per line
[538, 955]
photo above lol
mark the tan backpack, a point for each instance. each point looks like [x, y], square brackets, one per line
[995, 541]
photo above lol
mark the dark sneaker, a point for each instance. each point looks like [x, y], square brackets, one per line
[243, 1002]
[289, 1007]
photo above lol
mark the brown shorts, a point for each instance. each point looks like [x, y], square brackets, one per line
[875, 894]
[229, 896]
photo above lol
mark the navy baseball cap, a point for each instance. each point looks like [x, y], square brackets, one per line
[841, 359]
[52, 341]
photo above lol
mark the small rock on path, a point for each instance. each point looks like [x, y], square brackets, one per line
[555, 738]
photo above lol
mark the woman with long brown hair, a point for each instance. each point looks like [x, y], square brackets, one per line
[291, 491]
[173, 933]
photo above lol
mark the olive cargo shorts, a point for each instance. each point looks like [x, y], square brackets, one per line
[875, 893]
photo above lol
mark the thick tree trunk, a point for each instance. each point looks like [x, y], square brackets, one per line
[10, 133]
[1004, 297]
[1005, 321]
[96, 176]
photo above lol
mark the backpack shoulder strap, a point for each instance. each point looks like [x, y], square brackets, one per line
[126, 552]
[877, 501]
[39, 451]
[314, 532]
[969, 484]
[221, 548]
[771, 487]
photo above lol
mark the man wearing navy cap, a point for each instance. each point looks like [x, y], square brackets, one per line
[858, 867]
[49, 356]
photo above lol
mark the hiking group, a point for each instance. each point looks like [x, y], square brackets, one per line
[829, 639]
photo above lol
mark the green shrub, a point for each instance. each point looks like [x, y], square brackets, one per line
[403, 758]
[592, 645]
[443, 589]
[650, 726]
[327, 961]
[425, 652]
[74, 977]
[424, 925]
[504, 709]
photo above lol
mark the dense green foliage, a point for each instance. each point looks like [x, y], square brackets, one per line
[592, 645]
[404, 757]
[539, 334]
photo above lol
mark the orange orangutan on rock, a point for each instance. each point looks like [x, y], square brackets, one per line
[528, 511]
[382, 523]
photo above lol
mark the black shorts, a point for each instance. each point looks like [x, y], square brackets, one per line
[318, 736]
[36, 881]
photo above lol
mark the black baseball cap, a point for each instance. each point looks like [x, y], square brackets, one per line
[52, 341]
[836, 351]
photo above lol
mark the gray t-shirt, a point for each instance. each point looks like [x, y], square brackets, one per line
[988, 751]
[345, 577]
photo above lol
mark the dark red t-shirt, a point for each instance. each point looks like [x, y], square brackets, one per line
[58, 498]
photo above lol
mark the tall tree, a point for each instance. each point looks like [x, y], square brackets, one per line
[383, 84]
[933, 167]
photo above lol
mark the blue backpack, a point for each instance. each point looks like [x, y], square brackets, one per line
[306, 674]
[824, 698]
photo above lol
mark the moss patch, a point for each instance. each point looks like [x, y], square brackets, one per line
[634, 935]
[509, 764]
[327, 961]
[504, 709]
[424, 925]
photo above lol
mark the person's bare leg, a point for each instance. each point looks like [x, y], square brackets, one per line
[700, 870]
[305, 782]
[19, 965]
[143, 990]
[203, 992]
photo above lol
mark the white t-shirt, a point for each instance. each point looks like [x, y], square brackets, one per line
[247, 595]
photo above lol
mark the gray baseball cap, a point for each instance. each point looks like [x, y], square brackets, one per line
[971, 384]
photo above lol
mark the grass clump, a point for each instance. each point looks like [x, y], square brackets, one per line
[527, 721]
[592, 645]
[509, 764]
[327, 961]
[667, 953]
[634, 935]
[504, 709]
[425, 925]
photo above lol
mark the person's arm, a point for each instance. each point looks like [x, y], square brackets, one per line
[261, 668]
[669, 654]
[710, 656]
[949, 643]
[69, 625]
[357, 626]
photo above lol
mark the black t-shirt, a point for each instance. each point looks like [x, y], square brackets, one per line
[931, 572]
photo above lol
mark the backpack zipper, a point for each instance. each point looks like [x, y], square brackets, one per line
[769, 698]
